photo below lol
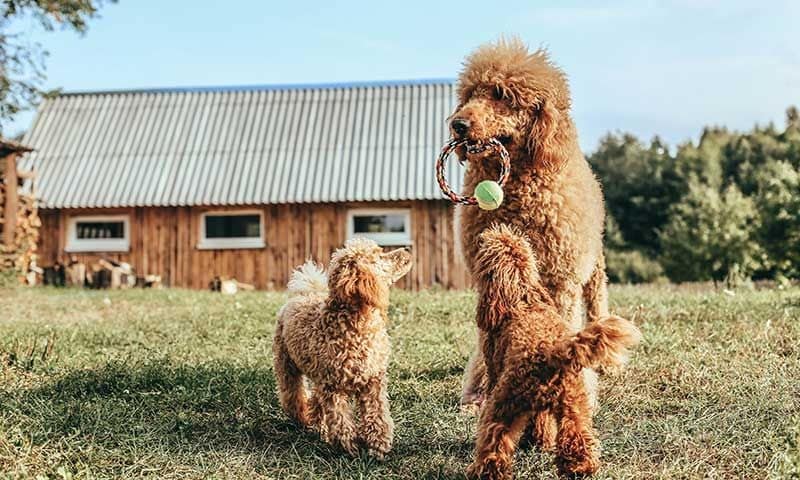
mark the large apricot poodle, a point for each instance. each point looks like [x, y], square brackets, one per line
[522, 99]
[332, 331]
[533, 360]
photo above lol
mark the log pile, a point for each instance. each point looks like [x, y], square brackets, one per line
[21, 255]
[100, 274]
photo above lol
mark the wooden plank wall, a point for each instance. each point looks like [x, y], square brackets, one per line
[164, 239]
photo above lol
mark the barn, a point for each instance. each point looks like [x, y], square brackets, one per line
[245, 182]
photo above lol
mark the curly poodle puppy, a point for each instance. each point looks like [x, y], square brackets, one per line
[533, 360]
[522, 99]
[332, 330]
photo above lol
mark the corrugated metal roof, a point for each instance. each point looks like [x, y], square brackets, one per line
[242, 145]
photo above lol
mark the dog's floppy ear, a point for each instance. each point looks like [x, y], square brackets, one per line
[355, 283]
[547, 138]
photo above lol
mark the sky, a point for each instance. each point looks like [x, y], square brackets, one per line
[664, 68]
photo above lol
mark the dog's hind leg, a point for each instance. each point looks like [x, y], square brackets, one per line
[541, 431]
[376, 428]
[577, 449]
[501, 425]
[291, 390]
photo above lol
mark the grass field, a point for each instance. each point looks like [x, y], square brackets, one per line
[178, 384]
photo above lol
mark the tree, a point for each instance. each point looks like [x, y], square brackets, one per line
[778, 202]
[702, 163]
[711, 236]
[639, 185]
[746, 155]
[21, 63]
[792, 118]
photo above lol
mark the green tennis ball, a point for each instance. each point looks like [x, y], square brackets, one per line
[489, 194]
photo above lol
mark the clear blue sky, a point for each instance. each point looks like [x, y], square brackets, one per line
[648, 67]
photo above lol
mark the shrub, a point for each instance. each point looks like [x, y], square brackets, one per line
[778, 201]
[711, 236]
[632, 266]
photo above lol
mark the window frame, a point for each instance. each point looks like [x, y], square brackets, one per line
[384, 239]
[100, 245]
[231, 243]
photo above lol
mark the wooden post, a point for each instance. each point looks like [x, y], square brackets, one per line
[11, 206]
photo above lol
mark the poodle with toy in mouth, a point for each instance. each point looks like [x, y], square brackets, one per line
[332, 331]
[534, 361]
[521, 99]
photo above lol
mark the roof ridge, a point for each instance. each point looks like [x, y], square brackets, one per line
[267, 87]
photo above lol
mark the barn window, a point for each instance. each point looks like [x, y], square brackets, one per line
[222, 230]
[389, 227]
[98, 233]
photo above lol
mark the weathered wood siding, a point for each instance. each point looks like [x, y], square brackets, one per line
[163, 241]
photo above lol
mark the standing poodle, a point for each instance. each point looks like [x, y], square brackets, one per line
[333, 331]
[533, 361]
[523, 100]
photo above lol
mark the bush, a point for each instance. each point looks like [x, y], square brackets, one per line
[711, 236]
[632, 267]
[778, 200]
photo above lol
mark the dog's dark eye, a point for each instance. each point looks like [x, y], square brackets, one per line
[497, 93]
[505, 139]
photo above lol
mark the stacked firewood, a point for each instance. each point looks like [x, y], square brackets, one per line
[21, 255]
[102, 273]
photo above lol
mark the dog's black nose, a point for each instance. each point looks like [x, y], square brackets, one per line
[460, 126]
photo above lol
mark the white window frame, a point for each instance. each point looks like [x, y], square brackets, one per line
[231, 243]
[77, 245]
[385, 239]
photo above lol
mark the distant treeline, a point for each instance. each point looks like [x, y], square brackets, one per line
[725, 209]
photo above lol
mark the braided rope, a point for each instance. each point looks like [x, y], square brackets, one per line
[505, 167]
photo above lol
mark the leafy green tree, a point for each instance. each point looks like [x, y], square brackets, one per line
[747, 154]
[639, 185]
[711, 236]
[613, 235]
[702, 163]
[22, 63]
[778, 202]
[648, 191]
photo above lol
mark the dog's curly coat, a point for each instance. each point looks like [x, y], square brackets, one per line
[552, 195]
[533, 362]
[332, 330]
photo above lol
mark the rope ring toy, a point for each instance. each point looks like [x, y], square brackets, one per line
[493, 143]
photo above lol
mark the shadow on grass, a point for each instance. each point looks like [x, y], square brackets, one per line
[176, 412]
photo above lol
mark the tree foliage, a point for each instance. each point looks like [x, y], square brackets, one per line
[22, 63]
[639, 186]
[778, 199]
[727, 205]
[711, 235]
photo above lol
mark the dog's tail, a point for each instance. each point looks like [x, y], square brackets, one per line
[307, 279]
[605, 342]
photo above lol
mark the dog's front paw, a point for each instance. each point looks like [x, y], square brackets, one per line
[379, 449]
[578, 467]
[578, 454]
[471, 403]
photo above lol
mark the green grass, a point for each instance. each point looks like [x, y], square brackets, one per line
[178, 384]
